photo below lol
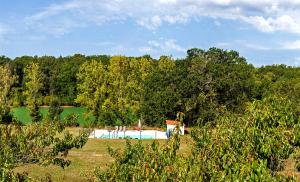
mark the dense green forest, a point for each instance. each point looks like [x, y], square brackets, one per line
[119, 89]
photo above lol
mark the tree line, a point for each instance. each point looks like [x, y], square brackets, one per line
[121, 90]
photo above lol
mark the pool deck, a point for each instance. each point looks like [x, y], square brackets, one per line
[130, 134]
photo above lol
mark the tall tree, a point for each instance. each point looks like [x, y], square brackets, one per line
[231, 78]
[33, 86]
[197, 92]
[91, 86]
[161, 100]
[6, 82]
[4, 60]
[122, 102]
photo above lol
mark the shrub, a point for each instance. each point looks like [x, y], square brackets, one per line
[38, 143]
[55, 110]
[5, 116]
[140, 163]
[35, 113]
[71, 120]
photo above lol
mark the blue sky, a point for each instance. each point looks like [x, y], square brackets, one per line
[265, 32]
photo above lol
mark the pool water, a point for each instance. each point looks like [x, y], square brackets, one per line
[129, 134]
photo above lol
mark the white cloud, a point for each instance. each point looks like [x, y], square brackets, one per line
[252, 45]
[181, 18]
[4, 30]
[162, 47]
[145, 49]
[292, 45]
[266, 16]
[259, 23]
[217, 23]
[150, 23]
[245, 44]
[283, 23]
[166, 45]
[168, 1]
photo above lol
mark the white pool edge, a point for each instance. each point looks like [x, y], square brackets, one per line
[132, 134]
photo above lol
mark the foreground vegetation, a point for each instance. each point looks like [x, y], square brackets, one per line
[43, 143]
[84, 161]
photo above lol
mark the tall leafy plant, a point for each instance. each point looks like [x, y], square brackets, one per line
[33, 84]
[6, 82]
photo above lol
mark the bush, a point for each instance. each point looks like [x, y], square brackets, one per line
[140, 163]
[35, 113]
[39, 143]
[89, 124]
[71, 120]
[47, 100]
[5, 114]
[55, 110]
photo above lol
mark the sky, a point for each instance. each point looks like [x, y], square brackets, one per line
[263, 31]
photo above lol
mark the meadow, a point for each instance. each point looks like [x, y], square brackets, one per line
[22, 114]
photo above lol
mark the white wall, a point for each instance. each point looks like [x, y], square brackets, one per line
[171, 127]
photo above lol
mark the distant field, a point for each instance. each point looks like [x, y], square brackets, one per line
[22, 114]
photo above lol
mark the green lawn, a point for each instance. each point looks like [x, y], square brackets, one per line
[22, 113]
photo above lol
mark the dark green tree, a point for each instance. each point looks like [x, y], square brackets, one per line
[55, 110]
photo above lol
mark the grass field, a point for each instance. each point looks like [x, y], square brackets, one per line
[22, 113]
[84, 160]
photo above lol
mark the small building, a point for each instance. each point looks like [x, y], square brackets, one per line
[171, 125]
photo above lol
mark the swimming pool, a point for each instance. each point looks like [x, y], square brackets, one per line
[130, 134]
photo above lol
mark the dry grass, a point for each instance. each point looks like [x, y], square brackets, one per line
[290, 169]
[290, 166]
[84, 160]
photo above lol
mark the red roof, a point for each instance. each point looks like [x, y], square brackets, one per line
[172, 122]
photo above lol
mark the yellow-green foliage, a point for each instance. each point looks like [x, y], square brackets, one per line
[6, 82]
[113, 92]
[33, 86]
[91, 86]
[33, 78]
